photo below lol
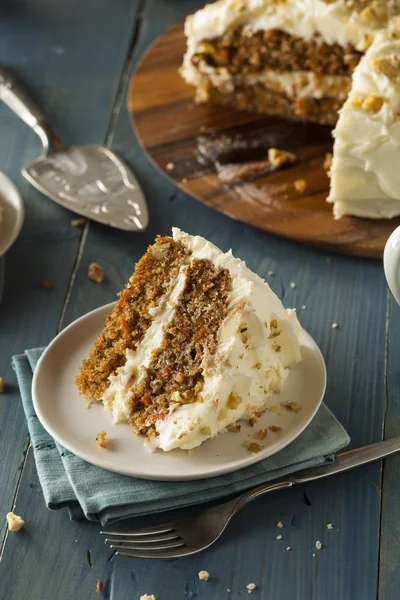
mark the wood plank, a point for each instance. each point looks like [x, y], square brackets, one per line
[348, 291]
[66, 54]
[389, 563]
[219, 156]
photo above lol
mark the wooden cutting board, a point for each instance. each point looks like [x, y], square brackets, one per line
[218, 155]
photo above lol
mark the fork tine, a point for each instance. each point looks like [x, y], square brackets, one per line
[169, 554]
[147, 540]
[166, 546]
[166, 528]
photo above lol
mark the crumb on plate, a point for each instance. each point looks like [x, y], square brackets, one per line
[101, 439]
[15, 523]
[274, 428]
[293, 406]
[95, 272]
[253, 447]
[262, 434]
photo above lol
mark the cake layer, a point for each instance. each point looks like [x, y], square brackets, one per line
[259, 97]
[131, 318]
[245, 51]
[365, 176]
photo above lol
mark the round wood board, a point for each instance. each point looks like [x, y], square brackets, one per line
[218, 155]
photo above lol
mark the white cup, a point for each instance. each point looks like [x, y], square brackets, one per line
[391, 263]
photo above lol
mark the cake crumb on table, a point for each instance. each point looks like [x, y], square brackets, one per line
[270, 273]
[300, 185]
[335, 326]
[78, 222]
[95, 272]
[48, 283]
[148, 597]
[304, 307]
[15, 523]
[292, 285]
[204, 575]
[318, 545]
[251, 587]
[278, 158]
[288, 548]
[101, 439]
[279, 537]
[170, 166]
[279, 524]
[2, 384]
[98, 585]
[329, 526]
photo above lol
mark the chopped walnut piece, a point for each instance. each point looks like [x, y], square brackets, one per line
[253, 421]
[293, 406]
[371, 103]
[300, 185]
[235, 428]
[78, 222]
[275, 428]
[95, 272]
[328, 161]
[278, 158]
[388, 65]
[262, 434]
[15, 523]
[48, 283]
[364, 43]
[101, 439]
[98, 586]
[2, 384]
[204, 575]
[253, 447]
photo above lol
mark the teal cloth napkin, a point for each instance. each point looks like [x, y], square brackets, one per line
[98, 495]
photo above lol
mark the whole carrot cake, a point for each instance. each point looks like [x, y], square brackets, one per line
[195, 343]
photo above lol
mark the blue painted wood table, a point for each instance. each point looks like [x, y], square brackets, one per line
[77, 58]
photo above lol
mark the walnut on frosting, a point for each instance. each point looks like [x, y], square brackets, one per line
[387, 65]
[371, 103]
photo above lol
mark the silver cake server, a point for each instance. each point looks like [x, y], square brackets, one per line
[89, 180]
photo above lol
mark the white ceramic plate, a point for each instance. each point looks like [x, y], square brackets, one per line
[62, 412]
[12, 213]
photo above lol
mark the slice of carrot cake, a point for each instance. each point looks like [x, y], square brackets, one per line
[195, 343]
[291, 58]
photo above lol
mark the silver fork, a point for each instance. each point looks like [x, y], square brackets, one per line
[196, 533]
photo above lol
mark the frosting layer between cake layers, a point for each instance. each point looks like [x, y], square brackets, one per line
[257, 343]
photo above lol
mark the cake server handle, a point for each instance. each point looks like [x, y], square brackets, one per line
[22, 105]
[343, 462]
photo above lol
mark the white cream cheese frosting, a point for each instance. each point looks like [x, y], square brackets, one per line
[338, 21]
[365, 175]
[257, 344]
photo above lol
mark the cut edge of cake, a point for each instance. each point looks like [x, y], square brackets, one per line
[211, 349]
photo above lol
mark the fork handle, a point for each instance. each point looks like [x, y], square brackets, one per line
[251, 495]
[18, 100]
